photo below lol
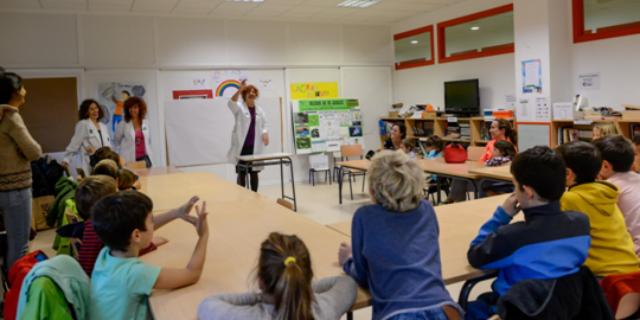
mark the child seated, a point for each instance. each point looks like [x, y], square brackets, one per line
[121, 283]
[549, 243]
[503, 153]
[433, 147]
[617, 159]
[106, 167]
[284, 275]
[394, 250]
[127, 180]
[94, 188]
[612, 250]
[408, 147]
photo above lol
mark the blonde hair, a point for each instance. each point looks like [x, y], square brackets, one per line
[395, 181]
[126, 179]
[604, 130]
[106, 167]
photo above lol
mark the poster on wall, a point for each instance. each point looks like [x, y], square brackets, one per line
[314, 90]
[322, 125]
[589, 81]
[531, 76]
[112, 95]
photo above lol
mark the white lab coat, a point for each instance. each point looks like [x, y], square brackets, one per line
[86, 136]
[125, 140]
[241, 128]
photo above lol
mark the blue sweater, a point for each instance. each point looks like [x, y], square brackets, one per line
[397, 257]
[549, 244]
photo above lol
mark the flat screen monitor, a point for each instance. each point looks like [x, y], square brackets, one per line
[462, 97]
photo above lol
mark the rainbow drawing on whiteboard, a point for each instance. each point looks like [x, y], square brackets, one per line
[224, 85]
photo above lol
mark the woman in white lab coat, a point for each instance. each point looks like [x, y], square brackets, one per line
[133, 138]
[90, 135]
[250, 134]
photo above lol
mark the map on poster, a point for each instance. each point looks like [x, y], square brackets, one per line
[323, 125]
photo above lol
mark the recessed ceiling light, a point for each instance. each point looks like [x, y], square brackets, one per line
[415, 41]
[475, 28]
[357, 3]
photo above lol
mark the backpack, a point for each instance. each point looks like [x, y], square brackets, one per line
[455, 153]
[17, 273]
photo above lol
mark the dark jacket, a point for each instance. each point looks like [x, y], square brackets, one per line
[576, 296]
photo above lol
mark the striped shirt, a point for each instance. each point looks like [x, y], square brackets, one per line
[90, 248]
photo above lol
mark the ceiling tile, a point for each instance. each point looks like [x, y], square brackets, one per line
[232, 9]
[110, 5]
[76, 5]
[196, 7]
[19, 4]
[154, 6]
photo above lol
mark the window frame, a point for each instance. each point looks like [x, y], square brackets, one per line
[581, 35]
[486, 52]
[415, 63]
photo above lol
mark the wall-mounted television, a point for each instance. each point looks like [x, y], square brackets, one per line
[462, 97]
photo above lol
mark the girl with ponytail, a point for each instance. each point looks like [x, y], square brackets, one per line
[284, 276]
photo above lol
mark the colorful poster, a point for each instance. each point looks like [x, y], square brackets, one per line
[531, 76]
[314, 90]
[112, 95]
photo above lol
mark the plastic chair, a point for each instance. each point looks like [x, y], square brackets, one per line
[348, 152]
[474, 153]
[318, 163]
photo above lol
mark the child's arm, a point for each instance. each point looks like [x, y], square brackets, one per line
[487, 245]
[351, 259]
[179, 212]
[171, 278]
[336, 293]
[232, 307]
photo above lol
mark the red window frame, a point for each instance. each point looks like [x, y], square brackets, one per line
[582, 35]
[489, 51]
[420, 62]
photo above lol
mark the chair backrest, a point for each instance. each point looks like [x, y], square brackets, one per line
[319, 161]
[285, 203]
[136, 165]
[351, 150]
[474, 153]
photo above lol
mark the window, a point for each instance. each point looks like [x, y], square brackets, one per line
[481, 34]
[414, 48]
[600, 19]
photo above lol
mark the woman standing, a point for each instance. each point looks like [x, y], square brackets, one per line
[90, 134]
[133, 138]
[250, 134]
[17, 150]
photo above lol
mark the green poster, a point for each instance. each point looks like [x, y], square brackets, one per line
[327, 104]
[314, 120]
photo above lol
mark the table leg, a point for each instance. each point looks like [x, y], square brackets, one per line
[349, 315]
[340, 184]
[293, 186]
[281, 179]
[475, 189]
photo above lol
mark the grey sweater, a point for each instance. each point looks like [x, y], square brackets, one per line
[333, 297]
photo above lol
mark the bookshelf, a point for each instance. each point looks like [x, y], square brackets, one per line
[474, 131]
[569, 130]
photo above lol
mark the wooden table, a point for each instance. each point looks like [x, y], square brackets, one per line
[358, 165]
[155, 171]
[239, 221]
[459, 224]
[502, 173]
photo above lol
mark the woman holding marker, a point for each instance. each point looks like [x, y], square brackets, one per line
[250, 134]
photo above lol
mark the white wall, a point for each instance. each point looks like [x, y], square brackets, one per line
[139, 48]
[426, 84]
[617, 60]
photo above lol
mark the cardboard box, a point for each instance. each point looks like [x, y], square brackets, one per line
[428, 114]
[39, 208]
[394, 114]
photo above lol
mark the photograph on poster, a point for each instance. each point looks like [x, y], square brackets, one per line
[112, 95]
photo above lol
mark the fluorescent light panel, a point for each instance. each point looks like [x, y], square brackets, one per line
[357, 3]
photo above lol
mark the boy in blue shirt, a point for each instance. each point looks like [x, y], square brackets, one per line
[121, 283]
[549, 244]
[396, 254]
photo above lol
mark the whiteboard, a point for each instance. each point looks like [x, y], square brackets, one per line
[199, 130]
[531, 135]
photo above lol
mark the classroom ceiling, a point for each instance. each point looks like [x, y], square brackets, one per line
[384, 12]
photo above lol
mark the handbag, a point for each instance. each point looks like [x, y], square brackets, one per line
[455, 153]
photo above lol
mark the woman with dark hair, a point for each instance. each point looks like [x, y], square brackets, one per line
[90, 134]
[17, 150]
[133, 139]
[396, 136]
